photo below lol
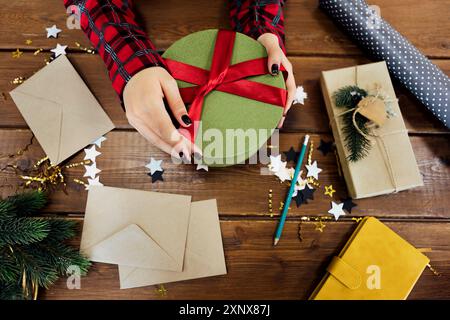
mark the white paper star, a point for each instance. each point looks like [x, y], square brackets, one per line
[336, 210]
[93, 182]
[99, 141]
[91, 171]
[91, 153]
[59, 50]
[300, 95]
[154, 165]
[313, 171]
[283, 173]
[202, 166]
[53, 31]
[275, 163]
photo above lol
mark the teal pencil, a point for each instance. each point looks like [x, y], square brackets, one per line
[287, 202]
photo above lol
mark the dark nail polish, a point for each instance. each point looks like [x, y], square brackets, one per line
[186, 120]
[275, 69]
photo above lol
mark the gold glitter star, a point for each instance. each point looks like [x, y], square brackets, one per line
[16, 54]
[329, 191]
[161, 290]
[28, 41]
[357, 220]
[320, 225]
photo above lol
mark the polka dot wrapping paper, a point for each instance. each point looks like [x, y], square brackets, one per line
[405, 63]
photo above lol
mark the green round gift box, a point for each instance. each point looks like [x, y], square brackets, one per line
[222, 111]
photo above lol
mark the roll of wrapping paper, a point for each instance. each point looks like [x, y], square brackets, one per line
[405, 63]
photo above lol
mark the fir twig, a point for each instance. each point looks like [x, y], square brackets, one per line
[11, 291]
[32, 250]
[23, 230]
[28, 203]
[358, 145]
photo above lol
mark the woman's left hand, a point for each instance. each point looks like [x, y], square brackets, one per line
[276, 58]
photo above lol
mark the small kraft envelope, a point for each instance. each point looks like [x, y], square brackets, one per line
[204, 256]
[60, 110]
[135, 228]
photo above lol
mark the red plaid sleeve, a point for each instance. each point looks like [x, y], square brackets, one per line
[255, 17]
[113, 31]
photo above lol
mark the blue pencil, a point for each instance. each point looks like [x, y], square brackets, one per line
[287, 202]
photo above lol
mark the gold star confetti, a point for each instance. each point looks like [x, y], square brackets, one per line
[161, 290]
[38, 51]
[28, 42]
[17, 54]
[329, 191]
[319, 225]
[357, 220]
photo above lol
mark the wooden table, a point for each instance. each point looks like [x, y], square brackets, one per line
[256, 270]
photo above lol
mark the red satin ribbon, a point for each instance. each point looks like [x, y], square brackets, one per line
[224, 77]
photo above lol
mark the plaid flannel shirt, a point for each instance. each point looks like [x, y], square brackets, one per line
[125, 48]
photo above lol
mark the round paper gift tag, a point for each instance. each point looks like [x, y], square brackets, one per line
[232, 128]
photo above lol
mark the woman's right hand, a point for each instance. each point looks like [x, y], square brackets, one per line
[143, 99]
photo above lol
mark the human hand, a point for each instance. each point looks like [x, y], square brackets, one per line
[143, 99]
[276, 57]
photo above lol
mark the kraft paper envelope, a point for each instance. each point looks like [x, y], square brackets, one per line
[136, 228]
[204, 255]
[60, 110]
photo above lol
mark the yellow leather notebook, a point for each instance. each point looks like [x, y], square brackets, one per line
[375, 264]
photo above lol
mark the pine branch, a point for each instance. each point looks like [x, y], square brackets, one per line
[9, 270]
[349, 96]
[60, 256]
[61, 229]
[28, 203]
[35, 267]
[11, 291]
[7, 210]
[23, 230]
[357, 145]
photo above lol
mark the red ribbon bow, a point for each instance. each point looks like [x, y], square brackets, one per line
[224, 77]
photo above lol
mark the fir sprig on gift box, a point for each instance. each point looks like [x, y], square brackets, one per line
[357, 144]
[33, 252]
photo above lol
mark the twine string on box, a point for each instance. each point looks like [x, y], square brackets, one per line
[379, 138]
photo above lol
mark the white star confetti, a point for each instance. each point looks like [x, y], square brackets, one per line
[336, 210]
[53, 31]
[93, 182]
[91, 153]
[313, 170]
[201, 166]
[59, 50]
[300, 95]
[154, 165]
[275, 163]
[283, 173]
[99, 141]
[91, 171]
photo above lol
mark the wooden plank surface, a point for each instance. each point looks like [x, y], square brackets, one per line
[257, 270]
[311, 117]
[124, 155]
[308, 29]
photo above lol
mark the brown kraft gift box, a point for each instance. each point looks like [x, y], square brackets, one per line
[390, 165]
